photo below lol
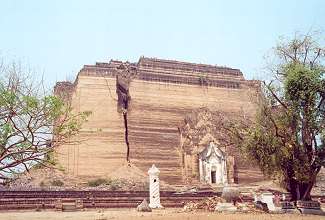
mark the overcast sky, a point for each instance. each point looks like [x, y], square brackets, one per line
[56, 38]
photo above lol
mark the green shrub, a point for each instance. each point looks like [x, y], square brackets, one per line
[98, 182]
[114, 184]
[57, 183]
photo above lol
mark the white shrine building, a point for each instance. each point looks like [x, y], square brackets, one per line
[212, 165]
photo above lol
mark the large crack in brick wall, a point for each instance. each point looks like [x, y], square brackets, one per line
[123, 79]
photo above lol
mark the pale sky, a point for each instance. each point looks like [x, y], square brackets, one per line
[56, 38]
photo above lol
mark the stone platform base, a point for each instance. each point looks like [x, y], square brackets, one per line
[310, 207]
[312, 211]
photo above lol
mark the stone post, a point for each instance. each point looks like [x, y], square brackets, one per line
[154, 187]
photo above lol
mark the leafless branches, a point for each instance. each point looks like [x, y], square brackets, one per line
[32, 123]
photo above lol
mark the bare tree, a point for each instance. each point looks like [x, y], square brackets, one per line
[32, 122]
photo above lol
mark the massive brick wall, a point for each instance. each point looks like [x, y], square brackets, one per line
[157, 108]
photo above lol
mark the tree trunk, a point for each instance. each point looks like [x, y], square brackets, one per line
[302, 190]
[307, 190]
[292, 188]
[306, 195]
[298, 190]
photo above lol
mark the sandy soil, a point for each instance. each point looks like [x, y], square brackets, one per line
[132, 214]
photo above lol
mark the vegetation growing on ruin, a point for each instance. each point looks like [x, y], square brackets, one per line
[57, 183]
[204, 80]
[97, 182]
[114, 184]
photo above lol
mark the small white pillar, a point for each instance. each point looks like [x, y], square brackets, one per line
[154, 187]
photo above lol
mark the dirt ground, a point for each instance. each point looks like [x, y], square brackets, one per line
[132, 214]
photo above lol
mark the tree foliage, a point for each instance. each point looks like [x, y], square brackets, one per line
[32, 122]
[287, 137]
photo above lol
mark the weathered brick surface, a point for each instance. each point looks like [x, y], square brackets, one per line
[157, 108]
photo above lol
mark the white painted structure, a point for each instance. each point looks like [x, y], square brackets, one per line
[268, 199]
[154, 191]
[212, 165]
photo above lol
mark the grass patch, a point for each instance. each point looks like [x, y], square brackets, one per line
[57, 183]
[113, 184]
[98, 182]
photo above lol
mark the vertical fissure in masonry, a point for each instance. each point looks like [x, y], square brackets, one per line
[123, 80]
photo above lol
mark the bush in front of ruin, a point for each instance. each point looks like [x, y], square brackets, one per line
[97, 182]
[57, 183]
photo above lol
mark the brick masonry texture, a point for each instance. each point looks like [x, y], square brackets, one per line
[162, 93]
